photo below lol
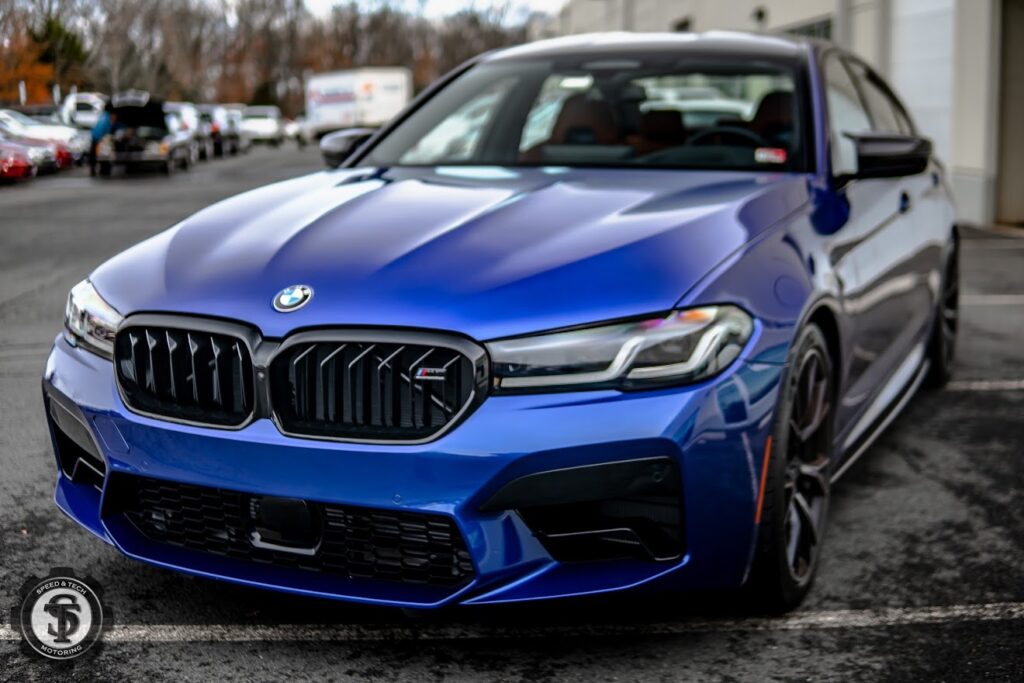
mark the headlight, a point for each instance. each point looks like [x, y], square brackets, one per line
[682, 347]
[89, 321]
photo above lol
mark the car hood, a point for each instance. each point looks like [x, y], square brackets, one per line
[47, 132]
[488, 252]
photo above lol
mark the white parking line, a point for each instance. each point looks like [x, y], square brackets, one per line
[808, 621]
[992, 299]
[986, 385]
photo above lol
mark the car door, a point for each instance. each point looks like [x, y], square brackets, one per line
[867, 255]
[914, 269]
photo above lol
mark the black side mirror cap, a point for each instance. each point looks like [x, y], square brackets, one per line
[890, 155]
[338, 146]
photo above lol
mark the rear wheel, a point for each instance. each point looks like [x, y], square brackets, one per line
[796, 481]
[942, 347]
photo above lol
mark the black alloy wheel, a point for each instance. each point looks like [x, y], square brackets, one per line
[796, 487]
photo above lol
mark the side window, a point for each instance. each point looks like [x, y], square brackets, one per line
[455, 138]
[880, 104]
[846, 114]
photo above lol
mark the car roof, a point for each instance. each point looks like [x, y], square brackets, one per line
[620, 42]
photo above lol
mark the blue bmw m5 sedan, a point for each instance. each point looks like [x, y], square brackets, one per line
[601, 313]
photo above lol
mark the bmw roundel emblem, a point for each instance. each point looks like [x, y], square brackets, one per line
[292, 298]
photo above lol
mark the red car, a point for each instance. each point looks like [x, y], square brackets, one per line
[64, 157]
[15, 162]
[42, 154]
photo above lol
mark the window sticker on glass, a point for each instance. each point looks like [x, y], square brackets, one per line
[770, 155]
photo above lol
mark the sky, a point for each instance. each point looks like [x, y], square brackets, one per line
[441, 8]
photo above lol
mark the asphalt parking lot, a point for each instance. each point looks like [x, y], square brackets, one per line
[922, 577]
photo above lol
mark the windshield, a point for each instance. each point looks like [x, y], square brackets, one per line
[20, 118]
[715, 113]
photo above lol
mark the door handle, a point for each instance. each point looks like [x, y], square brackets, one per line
[904, 202]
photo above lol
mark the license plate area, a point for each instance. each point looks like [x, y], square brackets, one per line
[288, 525]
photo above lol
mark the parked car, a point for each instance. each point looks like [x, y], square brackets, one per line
[15, 162]
[297, 131]
[83, 109]
[143, 135]
[223, 129]
[74, 141]
[41, 153]
[236, 117]
[263, 125]
[461, 369]
[199, 130]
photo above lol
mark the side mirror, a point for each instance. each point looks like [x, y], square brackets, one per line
[889, 155]
[338, 146]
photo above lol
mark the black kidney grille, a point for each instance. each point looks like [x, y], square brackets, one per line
[354, 542]
[193, 376]
[370, 390]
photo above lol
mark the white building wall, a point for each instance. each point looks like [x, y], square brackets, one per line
[921, 65]
[974, 116]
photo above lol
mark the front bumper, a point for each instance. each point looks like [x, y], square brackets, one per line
[714, 433]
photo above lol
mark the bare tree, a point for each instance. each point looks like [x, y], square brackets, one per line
[252, 50]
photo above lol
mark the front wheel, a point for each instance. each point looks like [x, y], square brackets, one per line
[795, 490]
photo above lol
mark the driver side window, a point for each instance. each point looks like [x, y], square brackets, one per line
[846, 114]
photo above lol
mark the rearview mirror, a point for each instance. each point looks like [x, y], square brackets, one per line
[338, 146]
[889, 155]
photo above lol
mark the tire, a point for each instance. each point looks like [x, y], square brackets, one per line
[796, 488]
[104, 168]
[185, 161]
[942, 346]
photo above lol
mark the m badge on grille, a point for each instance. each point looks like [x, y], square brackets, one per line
[431, 374]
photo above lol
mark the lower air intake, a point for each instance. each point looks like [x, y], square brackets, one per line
[348, 541]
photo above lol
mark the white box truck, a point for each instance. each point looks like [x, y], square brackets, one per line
[359, 97]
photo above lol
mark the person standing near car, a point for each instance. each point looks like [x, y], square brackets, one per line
[103, 126]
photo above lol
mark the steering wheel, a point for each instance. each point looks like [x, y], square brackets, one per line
[748, 137]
